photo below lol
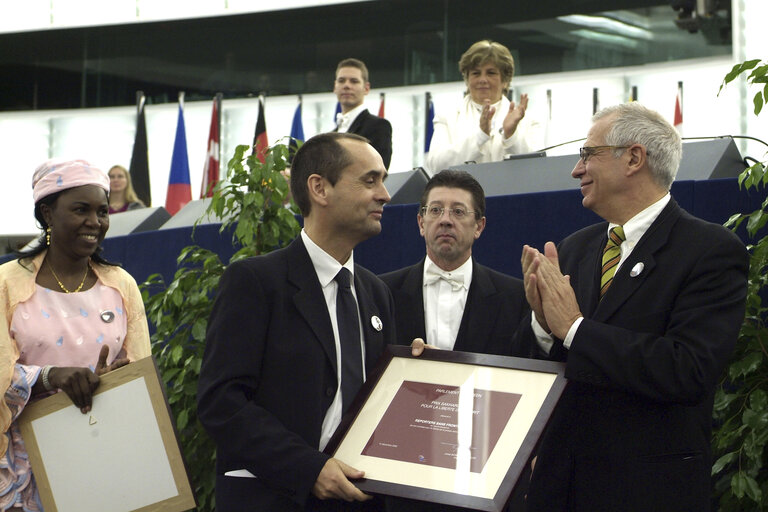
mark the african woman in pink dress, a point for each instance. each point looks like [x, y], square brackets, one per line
[69, 315]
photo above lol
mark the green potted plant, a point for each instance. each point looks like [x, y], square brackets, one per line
[254, 203]
[741, 400]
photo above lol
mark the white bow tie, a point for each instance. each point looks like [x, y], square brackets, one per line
[341, 118]
[434, 274]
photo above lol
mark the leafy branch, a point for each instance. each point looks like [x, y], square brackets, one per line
[741, 399]
[254, 203]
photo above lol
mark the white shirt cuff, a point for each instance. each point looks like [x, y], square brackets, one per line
[240, 473]
[543, 338]
[482, 137]
[509, 142]
[572, 332]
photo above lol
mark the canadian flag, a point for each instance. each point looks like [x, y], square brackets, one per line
[679, 108]
[211, 166]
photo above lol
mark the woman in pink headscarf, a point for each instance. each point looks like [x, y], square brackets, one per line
[69, 315]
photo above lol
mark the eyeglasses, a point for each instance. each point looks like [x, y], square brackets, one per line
[588, 151]
[434, 211]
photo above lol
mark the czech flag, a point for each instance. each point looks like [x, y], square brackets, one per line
[179, 188]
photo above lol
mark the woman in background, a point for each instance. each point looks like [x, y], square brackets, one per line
[69, 315]
[485, 126]
[122, 197]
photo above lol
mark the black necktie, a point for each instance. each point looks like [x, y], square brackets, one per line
[349, 339]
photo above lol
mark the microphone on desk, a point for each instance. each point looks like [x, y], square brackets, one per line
[541, 152]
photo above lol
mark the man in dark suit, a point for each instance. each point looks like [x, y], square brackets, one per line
[448, 299]
[351, 86]
[277, 372]
[645, 308]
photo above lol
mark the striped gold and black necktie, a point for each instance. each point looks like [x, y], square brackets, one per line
[611, 257]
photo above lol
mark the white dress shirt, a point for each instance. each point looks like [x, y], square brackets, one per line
[634, 229]
[326, 268]
[444, 302]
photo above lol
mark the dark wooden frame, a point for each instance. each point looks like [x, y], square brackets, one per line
[516, 464]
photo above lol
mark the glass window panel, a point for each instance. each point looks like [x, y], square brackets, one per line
[295, 51]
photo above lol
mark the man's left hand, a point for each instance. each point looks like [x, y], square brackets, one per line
[418, 345]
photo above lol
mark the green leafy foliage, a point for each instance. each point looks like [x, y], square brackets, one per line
[254, 201]
[741, 400]
[759, 75]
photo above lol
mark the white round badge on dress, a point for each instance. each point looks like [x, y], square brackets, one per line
[107, 316]
[376, 322]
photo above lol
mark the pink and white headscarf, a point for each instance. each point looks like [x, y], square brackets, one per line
[57, 175]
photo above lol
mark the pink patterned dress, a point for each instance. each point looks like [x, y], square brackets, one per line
[59, 329]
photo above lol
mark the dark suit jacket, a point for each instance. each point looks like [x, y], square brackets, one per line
[495, 308]
[377, 130]
[269, 375]
[632, 429]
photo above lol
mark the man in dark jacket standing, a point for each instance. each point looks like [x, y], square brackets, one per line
[645, 308]
[351, 86]
[291, 338]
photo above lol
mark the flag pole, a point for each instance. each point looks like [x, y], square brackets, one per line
[595, 100]
[219, 97]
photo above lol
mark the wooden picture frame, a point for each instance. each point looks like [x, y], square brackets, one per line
[122, 456]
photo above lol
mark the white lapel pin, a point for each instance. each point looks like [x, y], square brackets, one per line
[637, 269]
[376, 322]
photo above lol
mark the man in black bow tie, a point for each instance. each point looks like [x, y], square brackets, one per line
[351, 86]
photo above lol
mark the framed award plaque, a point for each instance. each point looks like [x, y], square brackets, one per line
[448, 427]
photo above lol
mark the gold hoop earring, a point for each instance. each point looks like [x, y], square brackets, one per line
[48, 236]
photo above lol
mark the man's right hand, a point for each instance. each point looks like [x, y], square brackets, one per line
[333, 482]
[530, 265]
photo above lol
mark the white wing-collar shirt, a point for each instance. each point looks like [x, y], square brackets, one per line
[444, 302]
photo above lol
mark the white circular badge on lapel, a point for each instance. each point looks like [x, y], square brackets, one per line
[376, 322]
[636, 270]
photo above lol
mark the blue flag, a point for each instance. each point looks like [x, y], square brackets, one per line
[179, 187]
[297, 132]
[429, 127]
[297, 128]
